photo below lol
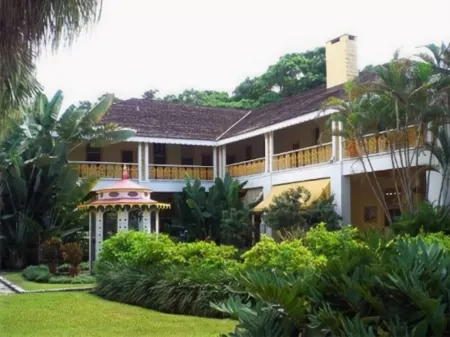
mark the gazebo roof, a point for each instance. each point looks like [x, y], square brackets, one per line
[115, 195]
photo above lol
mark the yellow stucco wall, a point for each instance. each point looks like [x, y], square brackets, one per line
[304, 134]
[238, 149]
[113, 153]
[362, 196]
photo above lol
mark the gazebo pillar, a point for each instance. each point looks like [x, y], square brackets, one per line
[157, 221]
[98, 233]
[122, 220]
[147, 221]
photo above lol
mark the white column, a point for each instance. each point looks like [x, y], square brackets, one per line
[98, 233]
[215, 164]
[122, 220]
[271, 151]
[224, 161]
[334, 140]
[147, 221]
[266, 152]
[146, 161]
[157, 221]
[340, 189]
[340, 127]
[91, 224]
[140, 177]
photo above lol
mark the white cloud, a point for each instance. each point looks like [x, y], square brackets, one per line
[171, 45]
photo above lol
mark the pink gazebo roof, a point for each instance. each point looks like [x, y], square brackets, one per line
[125, 185]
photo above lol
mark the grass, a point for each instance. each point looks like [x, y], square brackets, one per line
[18, 280]
[84, 314]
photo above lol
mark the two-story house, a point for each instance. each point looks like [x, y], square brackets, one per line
[273, 148]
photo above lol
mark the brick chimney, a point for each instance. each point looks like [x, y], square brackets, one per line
[341, 60]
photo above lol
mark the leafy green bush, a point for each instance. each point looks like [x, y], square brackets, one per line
[286, 256]
[138, 249]
[428, 218]
[321, 241]
[79, 279]
[84, 266]
[37, 273]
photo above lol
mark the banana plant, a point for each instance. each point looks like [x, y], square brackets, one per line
[40, 190]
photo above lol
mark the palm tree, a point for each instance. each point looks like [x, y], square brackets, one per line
[27, 26]
[39, 189]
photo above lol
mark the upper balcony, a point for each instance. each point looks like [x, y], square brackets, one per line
[162, 162]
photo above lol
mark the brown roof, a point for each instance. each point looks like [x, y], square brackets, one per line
[167, 120]
[290, 107]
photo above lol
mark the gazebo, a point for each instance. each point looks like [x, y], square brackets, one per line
[121, 198]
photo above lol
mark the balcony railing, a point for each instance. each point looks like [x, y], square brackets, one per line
[381, 142]
[176, 172]
[104, 169]
[302, 157]
[247, 168]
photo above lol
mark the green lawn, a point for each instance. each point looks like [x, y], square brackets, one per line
[83, 314]
[18, 280]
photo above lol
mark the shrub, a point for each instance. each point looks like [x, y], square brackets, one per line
[79, 279]
[64, 268]
[428, 218]
[51, 253]
[177, 289]
[138, 249]
[73, 254]
[286, 256]
[321, 241]
[84, 266]
[37, 273]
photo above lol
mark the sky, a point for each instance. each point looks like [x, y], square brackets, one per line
[172, 45]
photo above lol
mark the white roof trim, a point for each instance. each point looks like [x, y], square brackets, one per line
[172, 141]
[293, 121]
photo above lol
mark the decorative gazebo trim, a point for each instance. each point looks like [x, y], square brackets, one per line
[122, 203]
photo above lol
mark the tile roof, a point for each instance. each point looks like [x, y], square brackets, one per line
[290, 107]
[168, 120]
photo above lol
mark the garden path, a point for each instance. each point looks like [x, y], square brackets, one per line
[4, 289]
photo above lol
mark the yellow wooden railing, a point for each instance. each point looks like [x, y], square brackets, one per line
[247, 168]
[381, 142]
[104, 169]
[175, 172]
[302, 157]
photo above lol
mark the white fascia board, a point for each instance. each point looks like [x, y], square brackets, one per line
[290, 122]
[172, 141]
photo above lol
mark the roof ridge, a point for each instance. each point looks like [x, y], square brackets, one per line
[233, 125]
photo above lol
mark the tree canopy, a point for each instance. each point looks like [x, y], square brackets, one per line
[292, 73]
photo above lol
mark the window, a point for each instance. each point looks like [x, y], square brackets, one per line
[392, 198]
[296, 146]
[187, 161]
[230, 159]
[127, 156]
[207, 160]
[93, 153]
[159, 153]
[316, 135]
[248, 152]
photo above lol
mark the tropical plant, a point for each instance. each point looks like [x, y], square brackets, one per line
[218, 214]
[40, 190]
[396, 109]
[428, 219]
[397, 289]
[28, 27]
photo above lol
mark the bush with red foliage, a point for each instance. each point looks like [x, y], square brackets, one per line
[73, 254]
